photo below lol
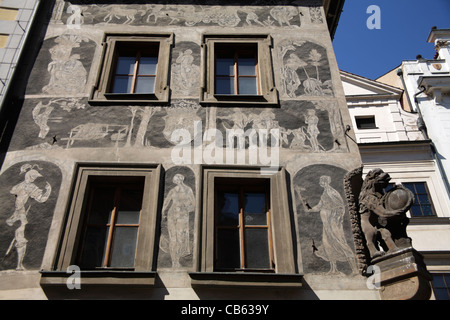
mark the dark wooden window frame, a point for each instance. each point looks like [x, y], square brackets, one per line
[237, 52]
[246, 185]
[365, 125]
[418, 204]
[101, 92]
[267, 94]
[119, 184]
[138, 52]
[67, 254]
[284, 273]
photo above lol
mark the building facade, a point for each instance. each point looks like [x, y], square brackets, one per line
[426, 83]
[18, 22]
[391, 136]
[183, 150]
[15, 20]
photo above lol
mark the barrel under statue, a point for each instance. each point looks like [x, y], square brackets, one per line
[403, 274]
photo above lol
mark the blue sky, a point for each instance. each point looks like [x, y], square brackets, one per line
[404, 29]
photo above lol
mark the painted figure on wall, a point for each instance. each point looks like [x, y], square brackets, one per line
[213, 13]
[185, 74]
[312, 131]
[67, 73]
[179, 202]
[306, 76]
[307, 129]
[23, 192]
[334, 247]
[42, 112]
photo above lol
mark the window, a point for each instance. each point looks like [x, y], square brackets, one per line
[365, 122]
[243, 235]
[112, 223]
[238, 70]
[423, 206]
[441, 286]
[111, 226]
[134, 70]
[246, 230]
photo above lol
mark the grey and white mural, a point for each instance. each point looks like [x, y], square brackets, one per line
[323, 221]
[65, 123]
[62, 66]
[212, 13]
[185, 80]
[28, 191]
[305, 69]
[177, 221]
[309, 126]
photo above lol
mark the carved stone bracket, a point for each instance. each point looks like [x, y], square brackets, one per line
[403, 275]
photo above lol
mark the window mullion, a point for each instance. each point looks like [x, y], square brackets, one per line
[111, 228]
[258, 83]
[135, 72]
[236, 74]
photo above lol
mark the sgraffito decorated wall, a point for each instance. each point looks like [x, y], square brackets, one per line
[58, 128]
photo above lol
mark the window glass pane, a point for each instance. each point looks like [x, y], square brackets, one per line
[125, 65]
[102, 206]
[94, 247]
[415, 211]
[228, 249]
[442, 294]
[257, 248]
[421, 188]
[255, 209]
[427, 210]
[247, 85]
[225, 66]
[130, 206]
[247, 66]
[228, 204]
[122, 84]
[438, 281]
[409, 186]
[423, 199]
[224, 85]
[366, 122]
[145, 85]
[124, 247]
[147, 65]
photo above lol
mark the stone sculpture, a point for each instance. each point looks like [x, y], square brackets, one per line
[383, 214]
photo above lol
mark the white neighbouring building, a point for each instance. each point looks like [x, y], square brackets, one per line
[390, 136]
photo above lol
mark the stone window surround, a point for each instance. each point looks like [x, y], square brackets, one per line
[268, 94]
[100, 92]
[285, 274]
[143, 274]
